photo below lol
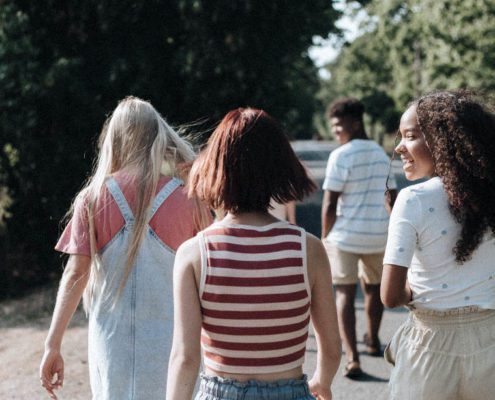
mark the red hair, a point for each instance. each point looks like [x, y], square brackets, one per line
[248, 161]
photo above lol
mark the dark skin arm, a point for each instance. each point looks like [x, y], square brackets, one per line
[328, 211]
[395, 290]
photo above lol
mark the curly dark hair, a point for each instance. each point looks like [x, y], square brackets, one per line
[346, 107]
[460, 132]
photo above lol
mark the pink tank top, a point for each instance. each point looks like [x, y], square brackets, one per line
[255, 297]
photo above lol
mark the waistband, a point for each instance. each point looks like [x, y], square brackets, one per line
[230, 389]
[453, 316]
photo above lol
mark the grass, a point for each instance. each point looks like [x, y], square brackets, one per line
[33, 309]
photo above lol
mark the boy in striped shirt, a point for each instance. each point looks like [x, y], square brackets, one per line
[354, 224]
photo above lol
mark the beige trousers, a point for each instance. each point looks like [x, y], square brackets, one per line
[444, 355]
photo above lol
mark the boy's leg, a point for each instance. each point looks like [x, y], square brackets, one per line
[370, 272]
[344, 298]
[344, 267]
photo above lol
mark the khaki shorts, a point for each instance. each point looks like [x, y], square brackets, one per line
[444, 355]
[349, 268]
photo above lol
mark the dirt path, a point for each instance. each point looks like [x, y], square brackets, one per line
[23, 328]
[24, 324]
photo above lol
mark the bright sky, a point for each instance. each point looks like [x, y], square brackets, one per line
[326, 49]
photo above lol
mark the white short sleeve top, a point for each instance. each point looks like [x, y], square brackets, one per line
[422, 235]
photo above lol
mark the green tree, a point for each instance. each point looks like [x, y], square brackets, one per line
[411, 47]
[65, 64]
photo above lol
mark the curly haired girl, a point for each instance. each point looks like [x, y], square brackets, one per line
[440, 251]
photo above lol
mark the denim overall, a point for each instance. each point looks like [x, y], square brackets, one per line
[130, 336]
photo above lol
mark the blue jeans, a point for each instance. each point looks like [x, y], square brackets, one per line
[216, 388]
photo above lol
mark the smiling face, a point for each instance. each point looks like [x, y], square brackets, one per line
[414, 153]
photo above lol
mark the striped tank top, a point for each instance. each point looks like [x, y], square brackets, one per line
[255, 297]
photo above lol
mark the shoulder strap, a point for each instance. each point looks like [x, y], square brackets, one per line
[163, 194]
[204, 261]
[119, 198]
[304, 254]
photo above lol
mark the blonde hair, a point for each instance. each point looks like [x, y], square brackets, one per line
[137, 139]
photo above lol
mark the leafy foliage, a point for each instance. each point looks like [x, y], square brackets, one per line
[411, 47]
[65, 64]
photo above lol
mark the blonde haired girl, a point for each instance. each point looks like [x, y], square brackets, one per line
[126, 224]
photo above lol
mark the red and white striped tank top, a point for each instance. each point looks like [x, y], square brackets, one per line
[255, 297]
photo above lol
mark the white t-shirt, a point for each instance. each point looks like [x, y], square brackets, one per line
[359, 169]
[422, 235]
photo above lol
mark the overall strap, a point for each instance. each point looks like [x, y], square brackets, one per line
[119, 198]
[163, 194]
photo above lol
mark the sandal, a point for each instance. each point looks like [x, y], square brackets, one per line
[352, 369]
[372, 349]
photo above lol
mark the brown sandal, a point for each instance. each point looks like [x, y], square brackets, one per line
[352, 369]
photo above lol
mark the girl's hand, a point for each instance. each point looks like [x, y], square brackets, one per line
[319, 391]
[52, 365]
[74, 280]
